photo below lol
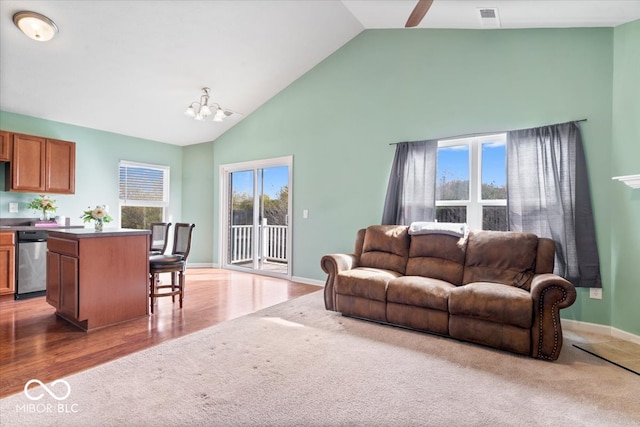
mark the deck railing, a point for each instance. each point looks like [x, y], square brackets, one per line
[273, 248]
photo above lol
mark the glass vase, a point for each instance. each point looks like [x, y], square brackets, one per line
[98, 224]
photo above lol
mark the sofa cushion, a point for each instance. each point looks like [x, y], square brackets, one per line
[492, 302]
[385, 247]
[370, 283]
[545, 258]
[439, 256]
[501, 257]
[420, 292]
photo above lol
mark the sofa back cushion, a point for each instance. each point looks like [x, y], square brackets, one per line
[385, 247]
[545, 259]
[438, 256]
[501, 257]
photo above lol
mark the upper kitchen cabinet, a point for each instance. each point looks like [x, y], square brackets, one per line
[5, 146]
[60, 167]
[42, 165]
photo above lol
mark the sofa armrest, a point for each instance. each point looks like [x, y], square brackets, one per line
[550, 293]
[332, 265]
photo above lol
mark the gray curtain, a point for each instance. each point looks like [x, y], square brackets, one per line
[548, 194]
[411, 194]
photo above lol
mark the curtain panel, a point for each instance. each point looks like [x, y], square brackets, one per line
[548, 194]
[411, 192]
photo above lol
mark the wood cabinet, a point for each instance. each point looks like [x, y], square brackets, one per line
[28, 163]
[42, 165]
[60, 167]
[7, 262]
[62, 282]
[53, 278]
[5, 146]
[97, 279]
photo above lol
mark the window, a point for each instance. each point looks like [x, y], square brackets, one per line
[144, 194]
[471, 177]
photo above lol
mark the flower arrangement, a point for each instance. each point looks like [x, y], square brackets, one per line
[43, 204]
[98, 214]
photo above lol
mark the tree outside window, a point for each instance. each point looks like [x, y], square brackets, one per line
[143, 194]
[471, 182]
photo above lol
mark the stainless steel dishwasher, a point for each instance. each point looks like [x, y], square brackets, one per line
[31, 271]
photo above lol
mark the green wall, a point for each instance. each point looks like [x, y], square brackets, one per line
[97, 157]
[198, 178]
[387, 86]
[625, 160]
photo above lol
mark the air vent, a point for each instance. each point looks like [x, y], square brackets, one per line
[487, 13]
[489, 17]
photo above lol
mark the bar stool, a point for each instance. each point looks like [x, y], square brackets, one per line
[159, 237]
[174, 263]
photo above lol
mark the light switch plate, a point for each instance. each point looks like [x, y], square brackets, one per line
[595, 293]
[13, 207]
[305, 213]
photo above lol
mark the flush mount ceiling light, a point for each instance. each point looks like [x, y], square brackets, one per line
[202, 110]
[35, 26]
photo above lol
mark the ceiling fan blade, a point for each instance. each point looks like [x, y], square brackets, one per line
[418, 13]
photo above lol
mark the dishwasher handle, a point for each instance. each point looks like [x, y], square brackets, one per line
[31, 236]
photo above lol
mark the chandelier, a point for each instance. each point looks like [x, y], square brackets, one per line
[202, 110]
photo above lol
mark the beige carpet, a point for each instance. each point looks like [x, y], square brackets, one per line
[296, 364]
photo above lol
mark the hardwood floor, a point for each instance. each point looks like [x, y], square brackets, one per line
[36, 344]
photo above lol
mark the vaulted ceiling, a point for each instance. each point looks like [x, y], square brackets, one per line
[133, 67]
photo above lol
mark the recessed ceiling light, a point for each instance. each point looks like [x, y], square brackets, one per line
[35, 26]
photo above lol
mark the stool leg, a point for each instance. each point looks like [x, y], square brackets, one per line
[152, 282]
[173, 285]
[181, 284]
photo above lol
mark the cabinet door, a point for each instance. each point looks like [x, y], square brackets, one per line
[7, 263]
[5, 146]
[69, 286]
[60, 167]
[53, 279]
[28, 163]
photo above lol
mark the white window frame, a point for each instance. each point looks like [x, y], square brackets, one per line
[164, 204]
[475, 203]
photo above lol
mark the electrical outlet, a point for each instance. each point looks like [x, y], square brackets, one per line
[13, 207]
[595, 293]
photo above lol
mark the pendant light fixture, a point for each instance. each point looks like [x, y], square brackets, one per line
[35, 26]
[202, 110]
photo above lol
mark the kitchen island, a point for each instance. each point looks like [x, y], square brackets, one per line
[98, 278]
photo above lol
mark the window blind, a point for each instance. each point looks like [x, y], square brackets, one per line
[143, 184]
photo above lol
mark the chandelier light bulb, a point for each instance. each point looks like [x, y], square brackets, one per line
[190, 111]
[219, 115]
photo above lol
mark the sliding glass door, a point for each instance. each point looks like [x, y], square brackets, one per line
[256, 230]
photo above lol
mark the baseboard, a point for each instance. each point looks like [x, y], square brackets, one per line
[578, 326]
[201, 265]
[307, 281]
[293, 279]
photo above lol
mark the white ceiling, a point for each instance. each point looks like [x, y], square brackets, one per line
[132, 67]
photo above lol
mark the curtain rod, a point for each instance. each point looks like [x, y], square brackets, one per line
[469, 135]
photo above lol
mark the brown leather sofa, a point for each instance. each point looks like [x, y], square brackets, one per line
[488, 287]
